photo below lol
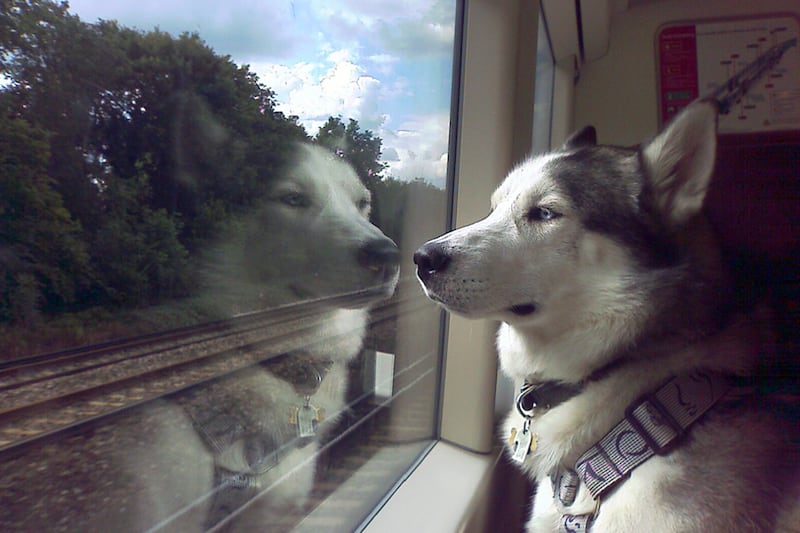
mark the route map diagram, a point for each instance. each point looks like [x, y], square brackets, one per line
[695, 59]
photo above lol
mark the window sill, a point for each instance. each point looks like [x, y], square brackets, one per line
[441, 495]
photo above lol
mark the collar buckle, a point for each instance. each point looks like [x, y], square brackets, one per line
[526, 400]
[544, 395]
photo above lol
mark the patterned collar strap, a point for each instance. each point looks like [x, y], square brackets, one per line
[652, 426]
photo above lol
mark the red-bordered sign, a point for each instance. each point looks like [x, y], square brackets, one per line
[695, 58]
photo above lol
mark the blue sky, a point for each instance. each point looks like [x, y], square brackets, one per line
[385, 63]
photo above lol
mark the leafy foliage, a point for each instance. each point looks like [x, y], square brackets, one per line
[43, 257]
[361, 148]
[123, 152]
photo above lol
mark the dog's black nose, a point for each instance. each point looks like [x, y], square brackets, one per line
[430, 258]
[379, 254]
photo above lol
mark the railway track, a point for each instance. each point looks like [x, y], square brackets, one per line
[47, 395]
[49, 368]
[45, 366]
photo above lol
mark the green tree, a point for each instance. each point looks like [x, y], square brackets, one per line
[152, 142]
[56, 66]
[206, 131]
[43, 254]
[361, 148]
[137, 253]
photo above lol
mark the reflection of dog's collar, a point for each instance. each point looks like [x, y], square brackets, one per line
[303, 370]
[220, 429]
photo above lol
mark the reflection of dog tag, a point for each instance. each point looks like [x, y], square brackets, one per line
[306, 418]
[522, 443]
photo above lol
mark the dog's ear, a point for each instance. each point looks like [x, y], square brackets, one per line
[680, 161]
[587, 136]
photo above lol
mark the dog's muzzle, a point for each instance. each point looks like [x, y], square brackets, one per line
[379, 265]
[380, 256]
[430, 258]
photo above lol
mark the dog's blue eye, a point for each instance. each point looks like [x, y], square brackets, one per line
[538, 214]
[295, 199]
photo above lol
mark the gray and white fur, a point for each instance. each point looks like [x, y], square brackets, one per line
[606, 276]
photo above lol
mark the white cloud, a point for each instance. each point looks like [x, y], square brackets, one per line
[243, 29]
[410, 28]
[418, 148]
[383, 63]
[389, 154]
[338, 85]
[350, 58]
[415, 147]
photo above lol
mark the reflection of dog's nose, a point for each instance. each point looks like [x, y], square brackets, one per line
[430, 258]
[379, 254]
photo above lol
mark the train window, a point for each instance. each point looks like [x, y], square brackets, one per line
[208, 313]
[541, 133]
[543, 90]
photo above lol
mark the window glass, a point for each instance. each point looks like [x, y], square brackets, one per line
[208, 313]
[506, 390]
[543, 97]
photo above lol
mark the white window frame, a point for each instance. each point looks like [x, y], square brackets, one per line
[448, 489]
[447, 492]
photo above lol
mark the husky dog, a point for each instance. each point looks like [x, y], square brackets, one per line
[253, 440]
[620, 318]
[310, 239]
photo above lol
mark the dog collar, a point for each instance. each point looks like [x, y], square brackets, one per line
[220, 426]
[548, 394]
[532, 397]
[544, 395]
[652, 426]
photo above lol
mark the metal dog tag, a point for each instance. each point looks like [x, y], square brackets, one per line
[306, 421]
[306, 418]
[524, 442]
